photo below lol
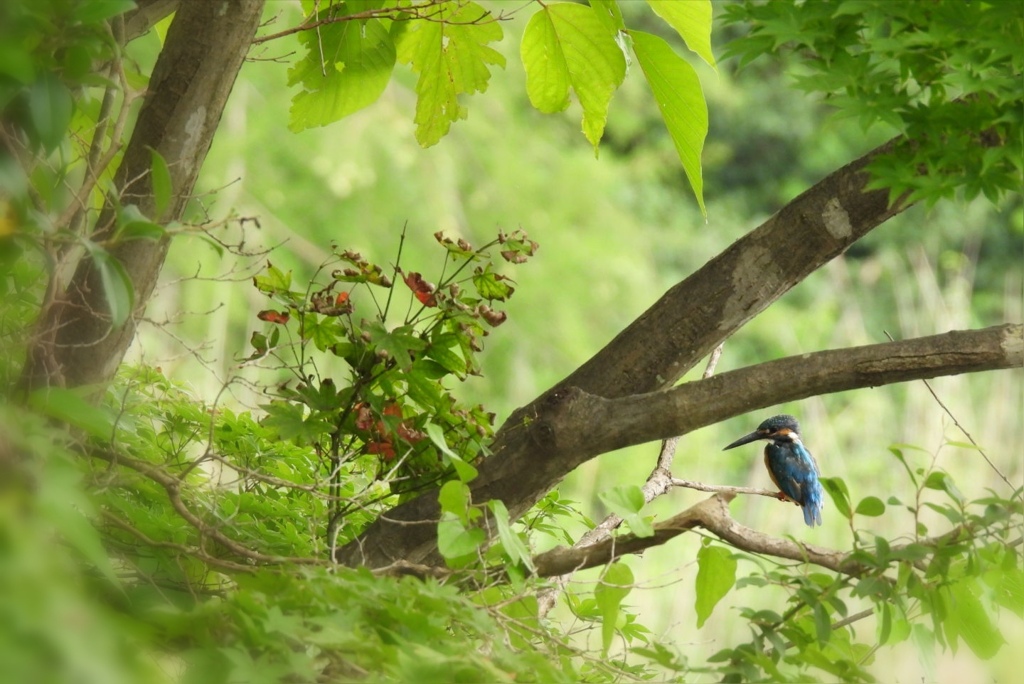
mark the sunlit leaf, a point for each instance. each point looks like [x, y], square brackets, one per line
[691, 20]
[565, 46]
[452, 57]
[677, 91]
[358, 58]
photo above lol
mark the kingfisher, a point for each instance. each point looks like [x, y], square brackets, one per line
[790, 465]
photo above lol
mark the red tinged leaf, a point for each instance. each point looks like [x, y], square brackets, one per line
[423, 290]
[342, 298]
[384, 449]
[364, 417]
[271, 316]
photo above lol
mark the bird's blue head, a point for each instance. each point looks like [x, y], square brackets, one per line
[779, 429]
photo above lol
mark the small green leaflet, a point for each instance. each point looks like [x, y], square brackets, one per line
[510, 541]
[677, 91]
[568, 45]
[626, 502]
[716, 575]
[464, 470]
[691, 20]
[160, 176]
[358, 58]
[451, 55]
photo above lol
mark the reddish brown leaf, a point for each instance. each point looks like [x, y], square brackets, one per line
[423, 290]
[384, 449]
[271, 316]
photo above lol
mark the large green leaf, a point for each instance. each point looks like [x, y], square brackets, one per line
[677, 91]
[569, 46]
[691, 20]
[968, 620]
[358, 58]
[615, 585]
[451, 55]
[716, 575]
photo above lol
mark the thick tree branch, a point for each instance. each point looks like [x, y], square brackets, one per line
[615, 423]
[572, 426]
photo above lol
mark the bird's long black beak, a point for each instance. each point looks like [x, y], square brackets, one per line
[746, 439]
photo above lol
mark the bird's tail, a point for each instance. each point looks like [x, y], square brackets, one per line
[812, 507]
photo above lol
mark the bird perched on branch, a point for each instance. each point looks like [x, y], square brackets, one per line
[791, 466]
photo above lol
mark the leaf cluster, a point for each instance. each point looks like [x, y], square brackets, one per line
[954, 97]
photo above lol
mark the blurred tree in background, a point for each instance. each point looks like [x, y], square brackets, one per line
[298, 475]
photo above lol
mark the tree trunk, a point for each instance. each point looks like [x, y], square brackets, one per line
[75, 343]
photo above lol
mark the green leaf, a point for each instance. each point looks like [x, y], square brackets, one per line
[451, 56]
[614, 586]
[423, 388]
[464, 470]
[273, 280]
[567, 45]
[626, 502]
[448, 359]
[822, 624]
[836, 489]
[870, 506]
[132, 225]
[50, 106]
[117, 286]
[398, 343]
[69, 406]
[95, 11]
[691, 20]
[160, 175]
[454, 498]
[454, 540]
[490, 285]
[968, 619]
[716, 575]
[359, 57]
[942, 481]
[513, 545]
[679, 96]
[609, 14]
[623, 500]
